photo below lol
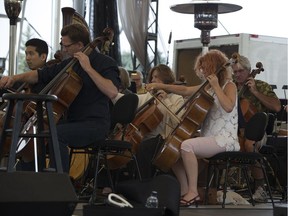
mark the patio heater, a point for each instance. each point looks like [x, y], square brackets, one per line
[205, 16]
[12, 8]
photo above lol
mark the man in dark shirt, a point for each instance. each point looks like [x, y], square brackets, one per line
[87, 119]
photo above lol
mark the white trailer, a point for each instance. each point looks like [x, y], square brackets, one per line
[270, 51]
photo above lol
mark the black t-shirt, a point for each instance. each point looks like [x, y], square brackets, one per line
[90, 103]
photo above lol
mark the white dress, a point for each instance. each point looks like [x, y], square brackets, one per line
[222, 125]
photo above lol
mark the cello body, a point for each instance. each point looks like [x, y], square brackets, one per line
[146, 120]
[190, 123]
[66, 89]
[247, 109]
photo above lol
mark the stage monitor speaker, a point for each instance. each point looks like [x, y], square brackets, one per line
[30, 193]
[280, 209]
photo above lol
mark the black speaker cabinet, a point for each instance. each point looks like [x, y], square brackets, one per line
[280, 210]
[30, 193]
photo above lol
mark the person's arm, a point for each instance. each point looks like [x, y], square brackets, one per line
[115, 99]
[270, 103]
[176, 89]
[105, 85]
[227, 96]
[30, 77]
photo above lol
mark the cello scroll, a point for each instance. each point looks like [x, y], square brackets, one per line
[109, 34]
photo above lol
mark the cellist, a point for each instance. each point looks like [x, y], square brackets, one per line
[87, 120]
[36, 52]
[219, 129]
[168, 103]
[261, 98]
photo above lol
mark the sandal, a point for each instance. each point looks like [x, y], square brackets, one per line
[187, 203]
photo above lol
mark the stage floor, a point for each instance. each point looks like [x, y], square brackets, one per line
[263, 209]
[216, 210]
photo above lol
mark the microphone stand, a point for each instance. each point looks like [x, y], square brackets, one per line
[12, 8]
[169, 42]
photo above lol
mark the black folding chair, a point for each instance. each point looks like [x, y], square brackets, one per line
[123, 113]
[254, 130]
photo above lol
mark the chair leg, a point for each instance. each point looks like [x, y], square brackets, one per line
[15, 137]
[275, 176]
[267, 182]
[245, 173]
[109, 174]
[209, 180]
[71, 155]
[225, 183]
[137, 166]
[94, 193]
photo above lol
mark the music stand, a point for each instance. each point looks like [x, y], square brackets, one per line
[284, 87]
[2, 64]
[273, 87]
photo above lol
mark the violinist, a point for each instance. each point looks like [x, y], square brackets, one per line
[262, 98]
[219, 129]
[87, 120]
[170, 103]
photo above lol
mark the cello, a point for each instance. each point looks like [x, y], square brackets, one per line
[198, 106]
[248, 110]
[147, 118]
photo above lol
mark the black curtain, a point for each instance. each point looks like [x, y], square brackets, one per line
[105, 15]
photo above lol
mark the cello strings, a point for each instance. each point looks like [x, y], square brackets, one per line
[169, 111]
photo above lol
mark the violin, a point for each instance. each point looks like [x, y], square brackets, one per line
[247, 108]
